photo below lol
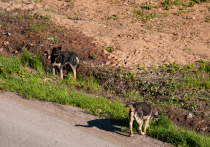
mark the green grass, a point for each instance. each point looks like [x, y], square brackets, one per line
[168, 4]
[41, 24]
[12, 78]
[144, 15]
[110, 49]
[10, 66]
[34, 61]
[205, 67]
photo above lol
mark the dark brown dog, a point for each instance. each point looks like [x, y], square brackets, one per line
[61, 58]
[141, 111]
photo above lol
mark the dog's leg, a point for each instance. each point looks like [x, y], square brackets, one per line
[74, 71]
[61, 71]
[140, 122]
[140, 127]
[131, 123]
[146, 125]
[53, 70]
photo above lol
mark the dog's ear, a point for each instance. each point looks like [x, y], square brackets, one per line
[47, 53]
[60, 48]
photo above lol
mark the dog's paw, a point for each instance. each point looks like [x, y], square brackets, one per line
[142, 133]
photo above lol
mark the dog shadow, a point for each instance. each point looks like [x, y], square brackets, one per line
[105, 124]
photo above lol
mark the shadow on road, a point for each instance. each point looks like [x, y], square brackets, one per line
[104, 124]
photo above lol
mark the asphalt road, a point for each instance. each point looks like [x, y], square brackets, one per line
[32, 123]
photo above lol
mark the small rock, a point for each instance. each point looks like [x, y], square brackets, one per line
[6, 43]
[50, 38]
[108, 62]
[188, 116]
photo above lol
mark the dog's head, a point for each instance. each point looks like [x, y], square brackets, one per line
[155, 113]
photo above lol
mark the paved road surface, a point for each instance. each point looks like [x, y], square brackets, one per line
[32, 123]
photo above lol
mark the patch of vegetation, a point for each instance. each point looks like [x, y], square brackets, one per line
[41, 24]
[207, 19]
[59, 29]
[110, 49]
[19, 16]
[10, 66]
[147, 7]
[113, 17]
[53, 38]
[38, 1]
[204, 66]
[75, 16]
[180, 11]
[168, 4]
[144, 16]
[33, 61]
[50, 10]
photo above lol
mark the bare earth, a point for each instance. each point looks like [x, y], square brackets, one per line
[182, 37]
[34, 123]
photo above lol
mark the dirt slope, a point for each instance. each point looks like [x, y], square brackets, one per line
[178, 35]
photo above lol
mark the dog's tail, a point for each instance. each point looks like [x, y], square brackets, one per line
[131, 107]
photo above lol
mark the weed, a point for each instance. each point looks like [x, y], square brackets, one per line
[41, 25]
[94, 56]
[191, 4]
[113, 17]
[178, 2]
[31, 16]
[149, 17]
[144, 16]
[168, 4]
[180, 12]
[19, 16]
[165, 14]
[110, 49]
[75, 16]
[141, 67]
[38, 1]
[204, 67]
[207, 19]
[58, 30]
[50, 10]
[33, 61]
[198, 1]
[147, 7]
[140, 13]
[10, 65]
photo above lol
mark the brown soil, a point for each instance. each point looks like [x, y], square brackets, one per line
[89, 27]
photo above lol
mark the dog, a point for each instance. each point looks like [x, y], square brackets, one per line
[61, 58]
[141, 111]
